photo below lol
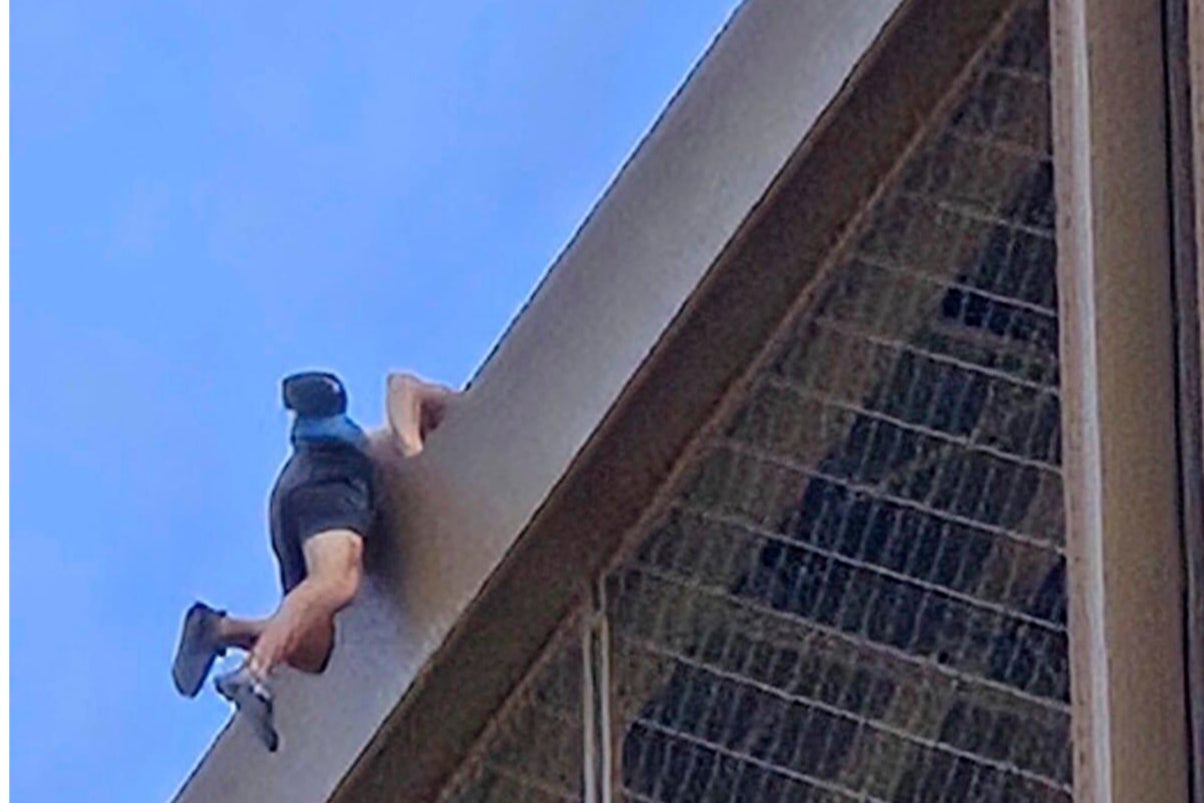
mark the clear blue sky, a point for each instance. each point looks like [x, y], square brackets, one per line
[209, 194]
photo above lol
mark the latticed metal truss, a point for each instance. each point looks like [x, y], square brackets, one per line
[859, 591]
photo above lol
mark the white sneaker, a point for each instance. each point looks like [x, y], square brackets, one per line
[253, 699]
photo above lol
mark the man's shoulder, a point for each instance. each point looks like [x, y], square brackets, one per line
[382, 446]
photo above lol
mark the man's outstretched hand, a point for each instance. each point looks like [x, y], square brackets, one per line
[415, 409]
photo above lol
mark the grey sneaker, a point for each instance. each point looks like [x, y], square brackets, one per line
[254, 701]
[197, 650]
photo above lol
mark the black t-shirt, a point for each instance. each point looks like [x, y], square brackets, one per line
[323, 486]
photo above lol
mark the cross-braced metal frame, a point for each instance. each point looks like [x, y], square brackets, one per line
[860, 591]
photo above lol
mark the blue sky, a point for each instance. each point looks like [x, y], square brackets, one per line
[208, 195]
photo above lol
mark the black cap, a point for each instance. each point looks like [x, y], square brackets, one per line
[314, 393]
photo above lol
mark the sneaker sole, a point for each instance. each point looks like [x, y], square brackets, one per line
[189, 669]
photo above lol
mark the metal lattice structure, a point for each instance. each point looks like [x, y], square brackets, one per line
[859, 591]
[533, 750]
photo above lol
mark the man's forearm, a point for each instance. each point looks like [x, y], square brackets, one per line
[319, 598]
[414, 408]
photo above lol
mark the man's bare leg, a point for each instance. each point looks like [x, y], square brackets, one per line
[206, 634]
[301, 632]
[239, 633]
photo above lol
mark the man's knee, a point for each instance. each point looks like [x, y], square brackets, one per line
[334, 560]
[313, 651]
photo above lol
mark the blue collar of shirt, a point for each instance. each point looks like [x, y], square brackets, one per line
[314, 429]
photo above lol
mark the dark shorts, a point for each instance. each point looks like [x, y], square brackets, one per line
[319, 488]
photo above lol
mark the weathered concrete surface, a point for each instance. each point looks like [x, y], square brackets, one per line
[464, 501]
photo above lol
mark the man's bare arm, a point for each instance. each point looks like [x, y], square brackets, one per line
[414, 408]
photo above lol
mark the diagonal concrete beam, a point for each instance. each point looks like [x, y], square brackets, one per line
[606, 303]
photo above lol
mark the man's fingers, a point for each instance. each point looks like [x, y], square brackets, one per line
[405, 412]
[267, 653]
[431, 416]
[434, 408]
[256, 667]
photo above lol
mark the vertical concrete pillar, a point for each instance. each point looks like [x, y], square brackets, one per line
[1118, 380]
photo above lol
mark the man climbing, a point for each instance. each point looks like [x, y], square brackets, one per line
[321, 509]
